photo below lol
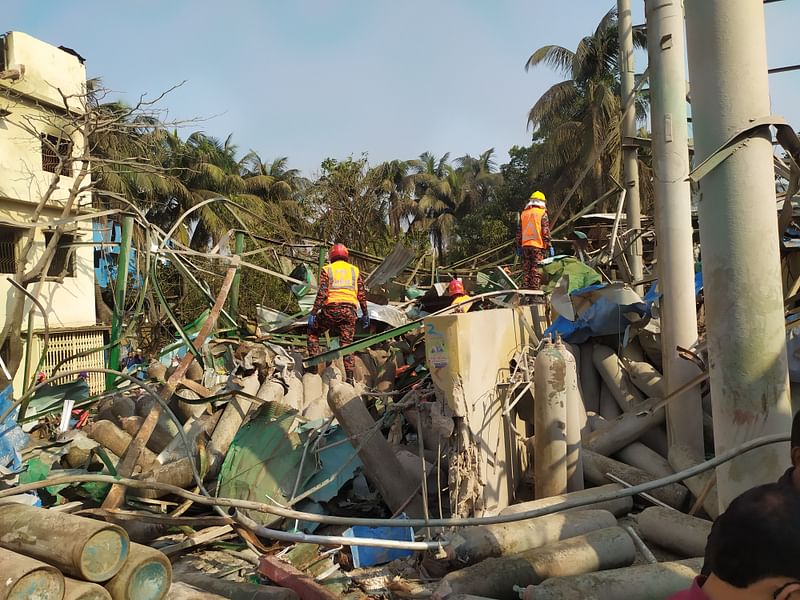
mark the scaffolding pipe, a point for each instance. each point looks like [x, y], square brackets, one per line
[630, 153]
[739, 238]
[673, 212]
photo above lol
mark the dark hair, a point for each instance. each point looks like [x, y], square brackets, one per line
[757, 537]
[796, 430]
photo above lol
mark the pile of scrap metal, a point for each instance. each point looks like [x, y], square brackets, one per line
[256, 470]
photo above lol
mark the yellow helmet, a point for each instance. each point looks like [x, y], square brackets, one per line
[537, 195]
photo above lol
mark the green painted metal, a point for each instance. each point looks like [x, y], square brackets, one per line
[170, 314]
[362, 344]
[120, 289]
[266, 461]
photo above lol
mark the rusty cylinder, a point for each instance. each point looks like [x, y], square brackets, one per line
[80, 547]
[146, 575]
[83, 590]
[550, 421]
[24, 578]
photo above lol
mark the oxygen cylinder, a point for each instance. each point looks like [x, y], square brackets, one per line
[550, 420]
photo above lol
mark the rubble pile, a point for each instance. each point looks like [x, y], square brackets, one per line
[456, 465]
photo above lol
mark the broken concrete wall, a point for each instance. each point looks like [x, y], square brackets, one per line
[468, 354]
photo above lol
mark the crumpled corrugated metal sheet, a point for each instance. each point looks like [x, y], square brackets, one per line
[391, 266]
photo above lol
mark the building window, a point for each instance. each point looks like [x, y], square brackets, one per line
[9, 249]
[63, 262]
[53, 149]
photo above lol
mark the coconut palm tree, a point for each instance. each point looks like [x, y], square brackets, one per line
[396, 183]
[282, 190]
[578, 119]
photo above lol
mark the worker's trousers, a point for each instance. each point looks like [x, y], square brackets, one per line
[338, 319]
[531, 276]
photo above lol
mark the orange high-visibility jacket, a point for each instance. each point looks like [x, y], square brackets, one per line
[531, 224]
[343, 287]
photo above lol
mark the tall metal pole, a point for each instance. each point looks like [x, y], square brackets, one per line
[238, 248]
[630, 164]
[666, 49]
[739, 240]
[120, 287]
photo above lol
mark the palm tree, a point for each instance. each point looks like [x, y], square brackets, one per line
[481, 178]
[397, 184]
[281, 189]
[579, 118]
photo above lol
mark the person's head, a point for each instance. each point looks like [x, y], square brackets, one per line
[338, 252]
[537, 195]
[795, 442]
[536, 199]
[754, 546]
[455, 288]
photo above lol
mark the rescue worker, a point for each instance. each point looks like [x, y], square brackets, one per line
[458, 295]
[533, 239]
[341, 292]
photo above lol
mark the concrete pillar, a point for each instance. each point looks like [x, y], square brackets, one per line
[495, 577]
[666, 51]
[576, 420]
[550, 418]
[674, 531]
[739, 238]
[471, 545]
[642, 582]
[630, 163]
[619, 507]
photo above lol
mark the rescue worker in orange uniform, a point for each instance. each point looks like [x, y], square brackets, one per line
[341, 292]
[458, 295]
[533, 239]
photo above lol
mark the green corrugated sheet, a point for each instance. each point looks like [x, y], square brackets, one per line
[264, 459]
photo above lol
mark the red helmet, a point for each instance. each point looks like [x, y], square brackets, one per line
[455, 287]
[338, 252]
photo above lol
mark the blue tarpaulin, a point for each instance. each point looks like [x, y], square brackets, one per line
[606, 310]
[12, 438]
[599, 314]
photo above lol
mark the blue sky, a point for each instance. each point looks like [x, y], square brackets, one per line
[309, 79]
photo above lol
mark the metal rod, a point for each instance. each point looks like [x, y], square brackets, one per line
[601, 496]
[120, 289]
